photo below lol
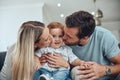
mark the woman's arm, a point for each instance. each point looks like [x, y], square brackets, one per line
[6, 72]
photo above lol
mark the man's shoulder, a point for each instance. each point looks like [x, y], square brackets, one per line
[66, 47]
[103, 32]
[74, 46]
[99, 29]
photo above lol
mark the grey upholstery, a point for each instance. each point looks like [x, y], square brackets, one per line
[2, 58]
[119, 45]
[3, 54]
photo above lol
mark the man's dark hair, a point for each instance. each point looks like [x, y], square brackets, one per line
[84, 21]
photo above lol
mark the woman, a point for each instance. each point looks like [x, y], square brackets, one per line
[19, 62]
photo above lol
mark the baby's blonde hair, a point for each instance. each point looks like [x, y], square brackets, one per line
[54, 25]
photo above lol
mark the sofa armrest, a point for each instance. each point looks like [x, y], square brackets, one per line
[2, 58]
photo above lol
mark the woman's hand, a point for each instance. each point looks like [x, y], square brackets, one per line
[92, 72]
[56, 60]
[37, 64]
[42, 59]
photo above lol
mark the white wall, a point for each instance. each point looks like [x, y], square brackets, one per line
[11, 18]
[14, 12]
[114, 27]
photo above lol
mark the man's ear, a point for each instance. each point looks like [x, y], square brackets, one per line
[86, 37]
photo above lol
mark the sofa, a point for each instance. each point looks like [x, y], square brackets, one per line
[3, 54]
[2, 58]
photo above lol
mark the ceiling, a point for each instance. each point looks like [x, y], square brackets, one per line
[110, 8]
[51, 12]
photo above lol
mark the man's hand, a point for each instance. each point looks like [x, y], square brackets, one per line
[92, 72]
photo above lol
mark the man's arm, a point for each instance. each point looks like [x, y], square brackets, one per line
[115, 69]
[96, 70]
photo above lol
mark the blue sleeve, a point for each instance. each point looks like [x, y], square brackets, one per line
[110, 45]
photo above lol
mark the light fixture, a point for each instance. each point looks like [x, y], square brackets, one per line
[97, 21]
[97, 14]
[59, 4]
[61, 15]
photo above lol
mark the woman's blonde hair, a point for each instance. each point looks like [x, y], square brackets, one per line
[23, 58]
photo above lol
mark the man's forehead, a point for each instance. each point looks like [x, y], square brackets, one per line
[72, 30]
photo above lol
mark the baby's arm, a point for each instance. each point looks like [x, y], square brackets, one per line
[78, 62]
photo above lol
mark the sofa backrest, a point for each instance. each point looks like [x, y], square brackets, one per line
[2, 58]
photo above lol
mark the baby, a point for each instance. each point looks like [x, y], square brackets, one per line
[57, 45]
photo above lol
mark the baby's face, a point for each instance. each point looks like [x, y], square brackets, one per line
[57, 35]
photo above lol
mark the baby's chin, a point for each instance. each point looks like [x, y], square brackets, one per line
[56, 46]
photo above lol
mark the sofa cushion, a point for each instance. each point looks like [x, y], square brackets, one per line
[2, 58]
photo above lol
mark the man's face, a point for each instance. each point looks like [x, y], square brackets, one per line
[70, 36]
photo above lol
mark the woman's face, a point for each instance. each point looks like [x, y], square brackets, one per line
[44, 39]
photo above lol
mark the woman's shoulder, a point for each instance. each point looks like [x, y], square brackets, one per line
[6, 71]
[11, 48]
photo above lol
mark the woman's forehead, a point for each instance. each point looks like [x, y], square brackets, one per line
[45, 33]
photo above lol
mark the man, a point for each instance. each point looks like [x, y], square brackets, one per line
[94, 44]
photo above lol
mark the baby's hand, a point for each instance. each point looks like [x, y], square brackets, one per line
[85, 65]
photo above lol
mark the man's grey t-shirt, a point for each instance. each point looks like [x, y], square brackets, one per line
[101, 47]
